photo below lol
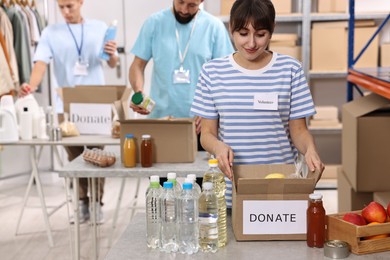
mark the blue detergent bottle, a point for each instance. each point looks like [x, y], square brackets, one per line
[109, 36]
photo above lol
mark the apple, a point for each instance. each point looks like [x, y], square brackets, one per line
[374, 212]
[354, 219]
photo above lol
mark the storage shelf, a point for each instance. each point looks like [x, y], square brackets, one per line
[327, 74]
[376, 80]
[315, 17]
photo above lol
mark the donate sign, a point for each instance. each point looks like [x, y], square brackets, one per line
[91, 118]
[274, 217]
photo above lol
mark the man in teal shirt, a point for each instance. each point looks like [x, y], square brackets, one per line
[180, 39]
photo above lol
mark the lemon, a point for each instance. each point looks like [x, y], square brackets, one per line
[275, 176]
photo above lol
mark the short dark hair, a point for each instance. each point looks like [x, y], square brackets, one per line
[259, 13]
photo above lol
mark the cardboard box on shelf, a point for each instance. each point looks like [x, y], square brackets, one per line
[326, 113]
[226, 5]
[77, 100]
[282, 6]
[324, 47]
[174, 140]
[293, 51]
[285, 43]
[366, 143]
[270, 209]
[348, 198]
[385, 55]
[332, 6]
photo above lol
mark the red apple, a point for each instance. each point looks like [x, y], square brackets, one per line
[354, 219]
[374, 212]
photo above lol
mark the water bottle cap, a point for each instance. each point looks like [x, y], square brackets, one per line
[187, 186]
[315, 196]
[171, 175]
[146, 136]
[189, 180]
[207, 185]
[129, 136]
[154, 178]
[213, 162]
[168, 185]
[191, 176]
[137, 98]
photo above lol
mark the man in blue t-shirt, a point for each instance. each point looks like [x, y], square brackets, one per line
[74, 46]
[179, 39]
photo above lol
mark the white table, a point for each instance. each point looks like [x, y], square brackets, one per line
[37, 144]
[132, 245]
[78, 168]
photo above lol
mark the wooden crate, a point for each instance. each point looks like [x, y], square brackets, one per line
[338, 229]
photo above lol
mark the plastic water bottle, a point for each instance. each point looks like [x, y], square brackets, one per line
[109, 36]
[195, 185]
[194, 189]
[208, 219]
[214, 175]
[187, 206]
[153, 178]
[171, 177]
[153, 220]
[168, 219]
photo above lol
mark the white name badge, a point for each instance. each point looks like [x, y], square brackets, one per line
[181, 76]
[80, 69]
[274, 217]
[91, 118]
[265, 102]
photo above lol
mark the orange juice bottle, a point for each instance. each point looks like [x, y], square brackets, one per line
[129, 151]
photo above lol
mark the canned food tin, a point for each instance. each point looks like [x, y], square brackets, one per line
[336, 249]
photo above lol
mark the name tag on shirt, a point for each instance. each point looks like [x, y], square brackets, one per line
[80, 69]
[265, 102]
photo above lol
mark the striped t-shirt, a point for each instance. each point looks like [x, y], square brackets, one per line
[228, 92]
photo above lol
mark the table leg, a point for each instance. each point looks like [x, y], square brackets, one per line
[76, 217]
[116, 213]
[93, 218]
[35, 176]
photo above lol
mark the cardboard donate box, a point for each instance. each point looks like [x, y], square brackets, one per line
[173, 140]
[366, 143]
[91, 107]
[270, 209]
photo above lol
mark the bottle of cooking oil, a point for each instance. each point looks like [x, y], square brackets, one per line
[215, 176]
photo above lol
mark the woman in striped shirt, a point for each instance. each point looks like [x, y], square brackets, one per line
[254, 102]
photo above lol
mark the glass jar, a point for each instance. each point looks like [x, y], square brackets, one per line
[146, 151]
[129, 151]
[142, 101]
[315, 235]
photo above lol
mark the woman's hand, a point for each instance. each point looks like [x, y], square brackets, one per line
[224, 154]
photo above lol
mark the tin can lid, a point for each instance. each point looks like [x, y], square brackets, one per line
[336, 249]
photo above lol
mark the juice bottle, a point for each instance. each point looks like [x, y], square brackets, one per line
[129, 151]
[215, 176]
[146, 151]
[315, 221]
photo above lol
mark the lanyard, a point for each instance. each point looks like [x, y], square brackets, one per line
[181, 55]
[74, 38]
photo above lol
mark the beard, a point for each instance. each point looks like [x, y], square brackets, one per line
[181, 19]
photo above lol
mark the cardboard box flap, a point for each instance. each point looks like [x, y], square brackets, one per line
[92, 94]
[249, 179]
[160, 121]
[365, 105]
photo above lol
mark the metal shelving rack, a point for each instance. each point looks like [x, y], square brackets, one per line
[374, 79]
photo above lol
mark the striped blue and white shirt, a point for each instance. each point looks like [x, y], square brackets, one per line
[226, 91]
